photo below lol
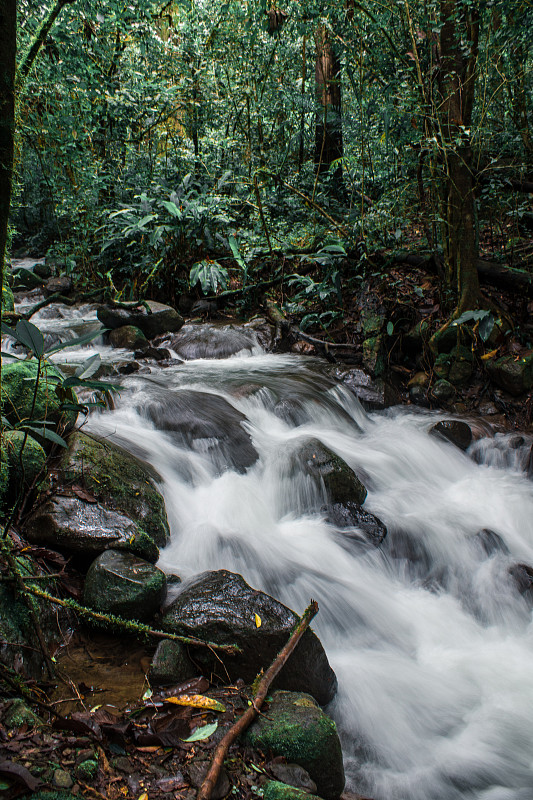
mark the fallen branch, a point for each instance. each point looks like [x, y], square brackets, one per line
[251, 713]
[132, 626]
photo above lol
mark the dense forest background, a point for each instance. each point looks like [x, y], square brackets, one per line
[164, 145]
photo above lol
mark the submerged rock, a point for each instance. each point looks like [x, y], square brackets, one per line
[453, 430]
[123, 584]
[212, 341]
[295, 727]
[118, 480]
[329, 470]
[87, 529]
[208, 424]
[371, 530]
[221, 607]
[522, 575]
[491, 542]
[374, 393]
[160, 319]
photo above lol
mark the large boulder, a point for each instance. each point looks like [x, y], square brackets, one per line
[327, 469]
[128, 337]
[295, 727]
[207, 423]
[124, 584]
[87, 529]
[153, 322]
[212, 341]
[221, 607]
[117, 480]
[514, 375]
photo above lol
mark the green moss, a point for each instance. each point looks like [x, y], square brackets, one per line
[275, 790]
[53, 796]
[87, 770]
[118, 481]
[19, 714]
[18, 386]
[33, 458]
[442, 366]
[8, 301]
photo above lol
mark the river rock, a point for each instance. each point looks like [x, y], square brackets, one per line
[327, 468]
[513, 375]
[462, 365]
[128, 337]
[491, 542]
[124, 584]
[522, 575]
[161, 319]
[292, 774]
[443, 391]
[87, 529]
[220, 607]
[276, 790]
[453, 430]
[371, 530]
[118, 480]
[208, 424]
[24, 278]
[295, 727]
[60, 285]
[212, 341]
[170, 664]
[374, 393]
[33, 462]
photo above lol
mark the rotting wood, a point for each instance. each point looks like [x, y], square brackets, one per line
[252, 712]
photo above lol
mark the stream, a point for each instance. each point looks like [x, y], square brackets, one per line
[429, 637]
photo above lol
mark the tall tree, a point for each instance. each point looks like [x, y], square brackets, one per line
[8, 45]
[328, 131]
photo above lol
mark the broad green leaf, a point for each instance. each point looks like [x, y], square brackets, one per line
[172, 208]
[89, 367]
[27, 334]
[486, 326]
[390, 328]
[202, 733]
[51, 436]
[471, 316]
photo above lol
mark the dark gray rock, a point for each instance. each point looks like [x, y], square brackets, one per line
[292, 774]
[295, 727]
[522, 575]
[61, 285]
[514, 375]
[128, 337]
[453, 430]
[198, 770]
[443, 391]
[212, 341]
[370, 529]
[123, 584]
[170, 664]
[326, 468]
[155, 353]
[418, 396]
[160, 319]
[87, 529]
[43, 270]
[208, 424]
[374, 393]
[491, 542]
[461, 366]
[220, 607]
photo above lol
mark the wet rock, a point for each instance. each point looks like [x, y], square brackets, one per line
[212, 341]
[418, 396]
[62, 779]
[170, 664]
[26, 279]
[443, 391]
[118, 480]
[491, 542]
[327, 468]
[442, 365]
[128, 337]
[453, 430]
[350, 515]
[277, 790]
[374, 393]
[292, 411]
[197, 773]
[263, 331]
[461, 366]
[87, 529]
[123, 584]
[292, 774]
[33, 457]
[294, 726]
[60, 285]
[18, 713]
[513, 375]
[43, 270]
[155, 353]
[208, 424]
[128, 367]
[373, 359]
[220, 607]
[522, 575]
[160, 319]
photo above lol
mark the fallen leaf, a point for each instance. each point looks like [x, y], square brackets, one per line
[83, 494]
[487, 356]
[20, 774]
[196, 701]
[257, 621]
[202, 733]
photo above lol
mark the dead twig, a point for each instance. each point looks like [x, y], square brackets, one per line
[250, 714]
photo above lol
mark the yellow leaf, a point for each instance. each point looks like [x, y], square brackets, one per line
[196, 701]
[489, 355]
[257, 621]
[143, 796]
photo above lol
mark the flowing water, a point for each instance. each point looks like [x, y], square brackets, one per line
[430, 639]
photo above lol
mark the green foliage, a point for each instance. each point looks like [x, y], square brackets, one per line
[209, 274]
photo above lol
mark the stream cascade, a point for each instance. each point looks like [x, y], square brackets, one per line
[431, 641]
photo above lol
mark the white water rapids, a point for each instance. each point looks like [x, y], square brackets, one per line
[430, 639]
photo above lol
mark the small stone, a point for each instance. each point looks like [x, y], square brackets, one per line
[123, 764]
[59, 285]
[198, 771]
[170, 663]
[417, 396]
[294, 775]
[419, 379]
[443, 391]
[62, 779]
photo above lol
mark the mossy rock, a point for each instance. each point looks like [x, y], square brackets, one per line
[33, 462]
[18, 387]
[514, 375]
[18, 714]
[8, 301]
[442, 366]
[128, 337]
[373, 360]
[324, 466]
[461, 366]
[445, 339]
[170, 664]
[275, 790]
[117, 480]
[294, 726]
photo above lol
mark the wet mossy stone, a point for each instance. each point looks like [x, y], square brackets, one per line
[8, 301]
[327, 468]
[373, 360]
[514, 375]
[275, 790]
[18, 714]
[453, 430]
[461, 366]
[123, 584]
[170, 664]
[442, 366]
[212, 341]
[17, 632]
[128, 337]
[160, 319]
[117, 480]
[443, 391]
[26, 460]
[18, 387]
[87, 529]
[295, 727]
[220, 607]
[368, 528]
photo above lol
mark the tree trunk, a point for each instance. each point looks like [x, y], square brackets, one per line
[8, 45]
[458, 61]
[328, 136]
[39, 39]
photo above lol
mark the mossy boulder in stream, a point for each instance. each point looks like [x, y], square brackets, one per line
[329, 471]
[150, 317]
[123, 584]
[221, 607]
[275, 790]
[117, 480]
[295, 727]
